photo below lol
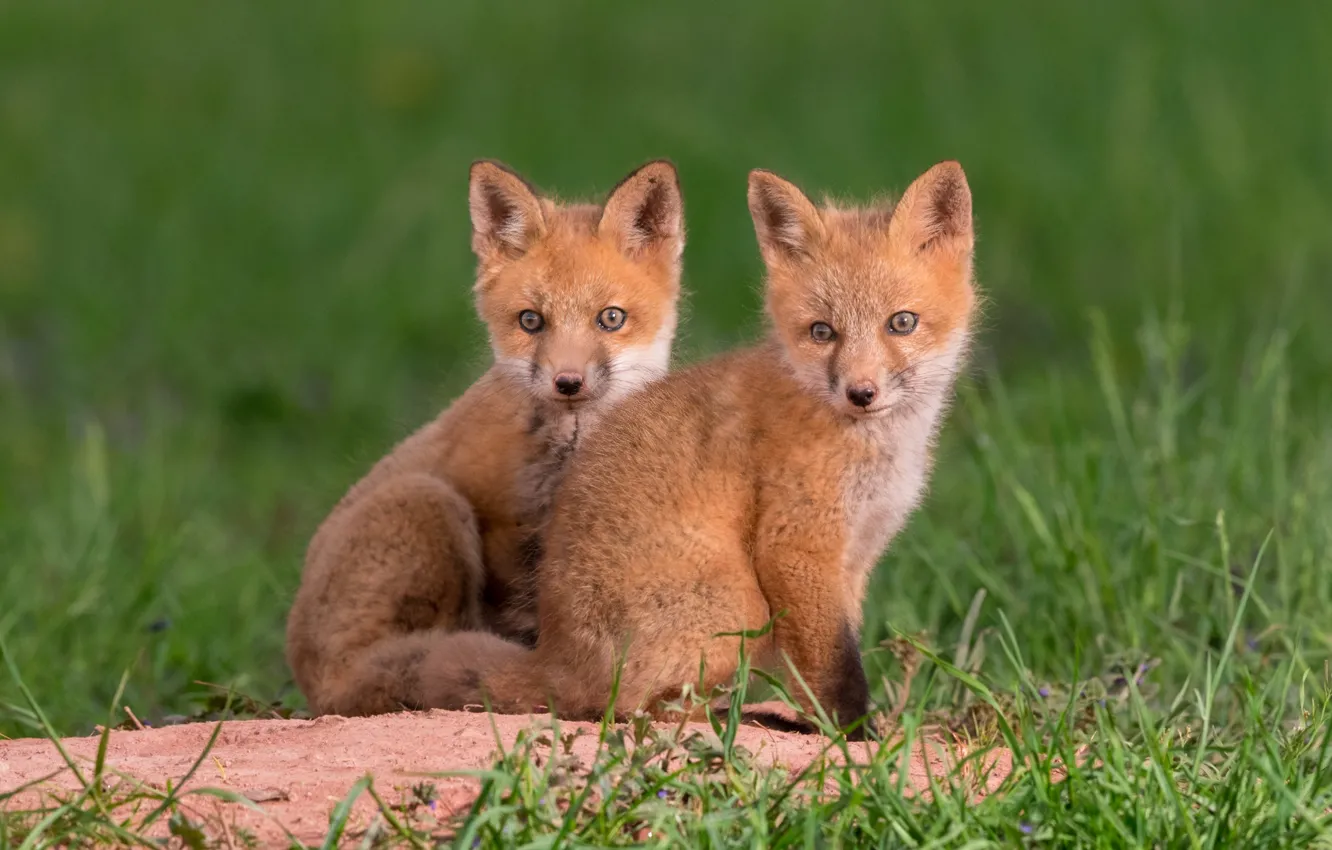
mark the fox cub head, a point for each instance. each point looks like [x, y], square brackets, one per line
[579, 299]
[871, 305]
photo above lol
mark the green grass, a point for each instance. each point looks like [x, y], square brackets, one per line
[234, 269]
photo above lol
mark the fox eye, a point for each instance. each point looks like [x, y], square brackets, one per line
[903, 322]
[531, 321]
[611, 319]
[822, 332]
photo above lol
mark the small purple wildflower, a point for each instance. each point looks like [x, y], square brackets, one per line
[1025, 827]
[1101, 702]
[1044, 692]
[661, 795]
[432, 805]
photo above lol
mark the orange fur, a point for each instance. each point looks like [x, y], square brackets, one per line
[766, 481]
[442, 533]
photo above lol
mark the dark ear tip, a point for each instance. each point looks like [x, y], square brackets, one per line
[660, 162]
[483, 168]
[655, 165]
[767, 184]
[480, 166]
[951, 169]
[672, 177]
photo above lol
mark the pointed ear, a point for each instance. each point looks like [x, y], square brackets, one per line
[506, 212]
[935, 211]
[785, 220]
[644, 214]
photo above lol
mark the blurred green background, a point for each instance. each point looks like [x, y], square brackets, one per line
[234, 269]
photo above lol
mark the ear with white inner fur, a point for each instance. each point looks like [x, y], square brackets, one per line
[644, 214]
[935, 211]
[506, 212]
[785, 220]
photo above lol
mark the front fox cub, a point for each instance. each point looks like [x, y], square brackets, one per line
[768, 480]
[580, 304]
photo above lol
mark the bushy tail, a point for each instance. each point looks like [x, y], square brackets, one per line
[438, 669]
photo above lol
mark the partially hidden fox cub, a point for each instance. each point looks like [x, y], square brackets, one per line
[766, 481]
[580, 304]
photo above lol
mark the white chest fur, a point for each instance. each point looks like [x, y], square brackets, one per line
[880, 493]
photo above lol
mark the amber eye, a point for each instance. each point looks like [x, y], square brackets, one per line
[611, 319]
[531, 321]
[903, 322]
[822, 332]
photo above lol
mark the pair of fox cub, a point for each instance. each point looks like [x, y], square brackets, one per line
[580, 524]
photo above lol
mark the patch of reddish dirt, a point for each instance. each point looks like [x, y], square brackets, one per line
[298, 770]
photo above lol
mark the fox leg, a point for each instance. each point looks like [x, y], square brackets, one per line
[590, 649]
[690, 643]
[403, 559]
[817, 632]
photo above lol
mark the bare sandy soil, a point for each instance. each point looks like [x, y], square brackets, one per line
[297, 770]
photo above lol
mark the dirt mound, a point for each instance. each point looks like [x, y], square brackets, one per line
[298, 770]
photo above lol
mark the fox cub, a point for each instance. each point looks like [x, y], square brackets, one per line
[767, 481]
[580, 304]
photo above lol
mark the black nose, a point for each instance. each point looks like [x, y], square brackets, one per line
[568, 384]
[862, 395]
